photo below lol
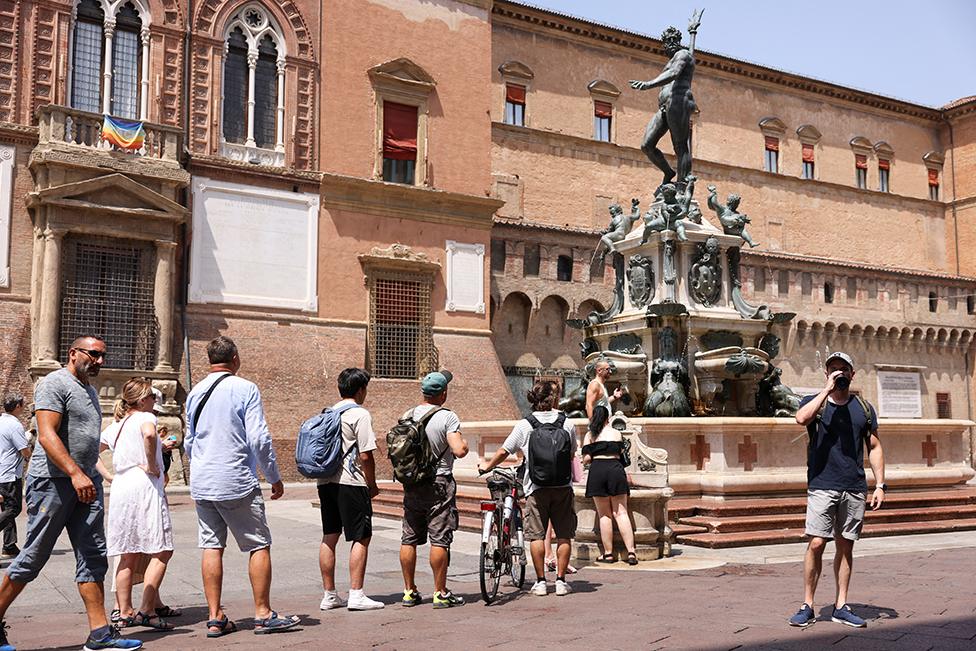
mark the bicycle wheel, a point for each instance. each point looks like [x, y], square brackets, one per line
[489, 565]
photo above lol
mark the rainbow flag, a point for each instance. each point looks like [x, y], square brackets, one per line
[124, 134]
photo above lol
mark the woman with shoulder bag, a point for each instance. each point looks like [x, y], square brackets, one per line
[139, 522]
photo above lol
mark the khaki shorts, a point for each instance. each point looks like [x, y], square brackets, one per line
[244, 517]
[834, 514]
[550, 505]
[430, 511]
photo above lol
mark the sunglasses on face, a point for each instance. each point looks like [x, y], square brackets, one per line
[94, 354]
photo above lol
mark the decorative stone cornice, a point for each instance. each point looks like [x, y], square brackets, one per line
[404, 76]
[772, 126]
[516, 70]
[553, 22]
[884, 150]
[201, 162]
[603, 89]
[539, 226]
[809, 134]
[934, 159]
[861, 145]
[407, 201]
[398, 257]
[12, 132]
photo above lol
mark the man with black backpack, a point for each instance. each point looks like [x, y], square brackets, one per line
[547, 442]
[840, 425]
[345, 499]
[422, 448]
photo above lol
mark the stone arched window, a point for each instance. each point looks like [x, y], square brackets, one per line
[110, 58]
[253, 95]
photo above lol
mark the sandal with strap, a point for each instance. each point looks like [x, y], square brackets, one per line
[275, 624]
[606, 558]
[166, 611]
[150, 621]
[224, 625]
[631, 558]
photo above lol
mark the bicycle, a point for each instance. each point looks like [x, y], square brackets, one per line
[502, 538]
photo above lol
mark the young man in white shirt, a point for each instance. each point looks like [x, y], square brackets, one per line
[14, 450]
[345, 499]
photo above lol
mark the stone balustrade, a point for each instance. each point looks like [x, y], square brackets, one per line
[63, 125]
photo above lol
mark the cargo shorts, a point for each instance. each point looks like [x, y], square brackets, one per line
[245, 517]
[835, 514]
[550, 505]
[430, 511]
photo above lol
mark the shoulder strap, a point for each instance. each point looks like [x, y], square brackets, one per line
[868, 420]
[341, 410]
[426, 417]
[121, 425]
[206, 397]
[561, 419]
[533, 421]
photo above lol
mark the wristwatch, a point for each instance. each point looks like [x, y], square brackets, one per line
[883, 487]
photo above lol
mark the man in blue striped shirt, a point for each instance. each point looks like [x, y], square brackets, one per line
[227, 441]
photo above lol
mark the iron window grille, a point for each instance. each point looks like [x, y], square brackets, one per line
[943, 403]
[400, 337]
[108, 290]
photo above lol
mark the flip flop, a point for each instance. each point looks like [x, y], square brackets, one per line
[225, 625]
[275, 624]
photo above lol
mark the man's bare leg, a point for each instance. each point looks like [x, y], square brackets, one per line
[93, 594]
[843, 563]
[259, 571]
[327, 561]
[358, 555]
[812, 567]
[408, 566]
[212, 568]
[9, 591]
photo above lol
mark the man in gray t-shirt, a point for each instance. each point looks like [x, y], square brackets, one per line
[65, 491]
[430, 509]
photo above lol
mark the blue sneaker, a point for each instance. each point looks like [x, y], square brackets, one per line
[844, 615]
[111, 640]
[4, 644]
[803, 617]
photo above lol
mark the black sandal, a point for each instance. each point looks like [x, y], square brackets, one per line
[606, 558]
[225, 625]
[166, 611]
[150, 621]
[631, 558]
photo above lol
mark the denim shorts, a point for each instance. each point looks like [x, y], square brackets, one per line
[52, 507]
[244, 517]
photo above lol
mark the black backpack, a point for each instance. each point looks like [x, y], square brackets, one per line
[550, 452]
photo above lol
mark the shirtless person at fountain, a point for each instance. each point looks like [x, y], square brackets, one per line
[598, 401]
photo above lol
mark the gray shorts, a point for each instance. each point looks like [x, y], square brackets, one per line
[834, 514]
[52, 507]
[430, 511]
[244, 517]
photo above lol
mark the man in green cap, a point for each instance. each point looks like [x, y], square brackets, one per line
[430, 510]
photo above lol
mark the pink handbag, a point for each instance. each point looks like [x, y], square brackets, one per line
[577, 469]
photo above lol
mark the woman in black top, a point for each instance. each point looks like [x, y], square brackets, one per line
[607, 485]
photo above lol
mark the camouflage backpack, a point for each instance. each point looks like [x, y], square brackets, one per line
[409, 450]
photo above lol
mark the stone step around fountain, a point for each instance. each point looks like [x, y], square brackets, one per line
[739, 523]
[389, 503]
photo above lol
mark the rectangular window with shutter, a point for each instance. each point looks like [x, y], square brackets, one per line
[771, 160]
[861, 170]
[808, 161]
[515, 105]
[943, 404]
[602, 117]
[884, 171]
[399, 143]
[933, 184]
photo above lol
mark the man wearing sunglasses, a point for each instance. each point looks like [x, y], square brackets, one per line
[64, 491]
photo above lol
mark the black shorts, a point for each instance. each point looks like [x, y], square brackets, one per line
[346, 509]
[607, 478]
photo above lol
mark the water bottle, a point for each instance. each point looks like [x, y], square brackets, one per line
[507, 510]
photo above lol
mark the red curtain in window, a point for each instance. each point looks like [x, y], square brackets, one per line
[602, 109]
[933, 177]
[884, 164]
[861, 161]
[399, 131]
[807, 153]
[515, 94]
[772, 144]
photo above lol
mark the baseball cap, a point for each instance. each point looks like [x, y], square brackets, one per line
[436, 382]
[158, 395]
[844, 357]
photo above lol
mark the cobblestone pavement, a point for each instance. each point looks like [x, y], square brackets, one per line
[916, 592]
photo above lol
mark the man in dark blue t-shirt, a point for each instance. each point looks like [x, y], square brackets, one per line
[839, 425]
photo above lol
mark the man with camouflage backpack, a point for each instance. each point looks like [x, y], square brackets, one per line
[429, 508]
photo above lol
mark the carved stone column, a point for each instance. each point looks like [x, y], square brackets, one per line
[280, 139]
[163, 303]
[109, 29]
[252, 63]
[49, 319]
[144, 81]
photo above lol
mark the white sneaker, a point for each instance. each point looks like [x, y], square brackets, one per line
[540, 589]
[359, 601]
[331, 600]
[562, 588]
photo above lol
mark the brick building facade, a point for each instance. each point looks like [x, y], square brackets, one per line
[431, 198]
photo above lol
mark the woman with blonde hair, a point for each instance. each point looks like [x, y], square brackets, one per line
[138, 514]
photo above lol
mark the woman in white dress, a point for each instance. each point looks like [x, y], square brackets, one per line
[138, 514]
